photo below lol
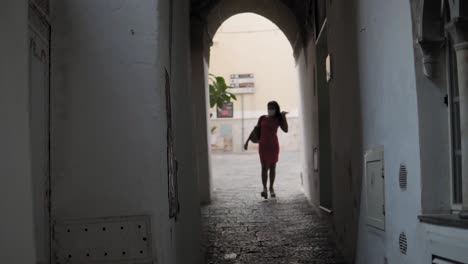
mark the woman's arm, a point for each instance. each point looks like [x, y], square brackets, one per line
[284, 122]
[246, 145]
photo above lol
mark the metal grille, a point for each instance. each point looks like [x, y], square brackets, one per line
[403, 177]
[403, 243]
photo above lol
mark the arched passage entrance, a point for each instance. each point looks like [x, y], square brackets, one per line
[236, 182]
[205, 22]
[275, 11]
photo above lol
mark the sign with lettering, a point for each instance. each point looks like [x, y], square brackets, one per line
[242, 83]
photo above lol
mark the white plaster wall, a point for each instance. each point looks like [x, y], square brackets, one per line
[200, 116]
[445, 242]
[377, 99]
[309, 108]
[389, 118]
[16, 223]
[188, 232]
[381, 51]
[109, 117]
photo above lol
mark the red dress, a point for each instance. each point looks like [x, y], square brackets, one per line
[269, 145]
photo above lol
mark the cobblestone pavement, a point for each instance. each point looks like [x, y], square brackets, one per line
[241, 227]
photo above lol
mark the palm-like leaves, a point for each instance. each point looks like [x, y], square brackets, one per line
[218, 92]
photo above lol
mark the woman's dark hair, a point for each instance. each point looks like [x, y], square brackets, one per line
[275, 105]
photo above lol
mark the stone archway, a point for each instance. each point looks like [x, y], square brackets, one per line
[204, 24]
[275, 11]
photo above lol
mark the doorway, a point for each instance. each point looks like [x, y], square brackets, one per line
[325, 150]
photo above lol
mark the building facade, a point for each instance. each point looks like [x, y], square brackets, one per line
[248, 44]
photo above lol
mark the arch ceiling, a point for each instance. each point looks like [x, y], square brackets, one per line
[289, 15]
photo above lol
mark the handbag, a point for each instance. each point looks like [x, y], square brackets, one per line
[255, 134]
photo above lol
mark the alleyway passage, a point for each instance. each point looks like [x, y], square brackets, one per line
[242, 227]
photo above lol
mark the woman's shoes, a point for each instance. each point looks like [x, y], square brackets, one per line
[264, 194]
[272, 193]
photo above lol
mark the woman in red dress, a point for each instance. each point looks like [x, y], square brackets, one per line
[269, 145]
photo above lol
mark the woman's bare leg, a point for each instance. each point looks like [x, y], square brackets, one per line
[272, 176]
[264, 181]
[264, 176]
[272, 180]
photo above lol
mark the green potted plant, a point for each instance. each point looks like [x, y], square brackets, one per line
[219, 94]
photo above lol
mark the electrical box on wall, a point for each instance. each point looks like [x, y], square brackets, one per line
[375, 188]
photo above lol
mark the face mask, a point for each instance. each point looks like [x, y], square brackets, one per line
[271, 112]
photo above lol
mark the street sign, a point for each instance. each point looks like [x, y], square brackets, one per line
[242, 83]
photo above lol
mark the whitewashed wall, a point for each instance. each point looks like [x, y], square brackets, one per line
[109, 117]
[309, 108]
[373, 103]
[376, 101]
[17, 243]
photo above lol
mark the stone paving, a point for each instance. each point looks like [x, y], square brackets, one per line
[241, 227]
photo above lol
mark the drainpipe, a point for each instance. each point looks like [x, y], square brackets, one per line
[458, 28]
[243, 124]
